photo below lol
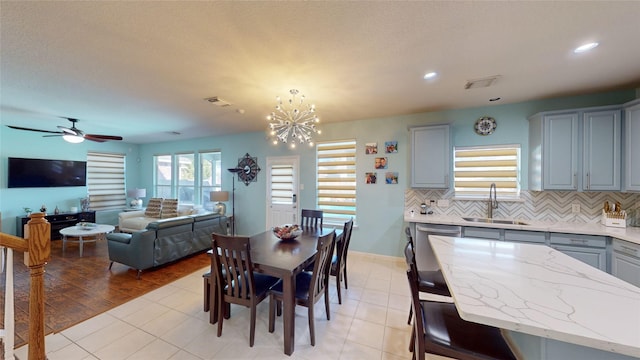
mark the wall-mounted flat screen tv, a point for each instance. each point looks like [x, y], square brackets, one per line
[25, 173]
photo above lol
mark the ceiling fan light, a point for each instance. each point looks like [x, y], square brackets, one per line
[74, 139]
[585, 47]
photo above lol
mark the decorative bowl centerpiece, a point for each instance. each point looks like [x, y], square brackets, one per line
[85, 225]
[287, 232]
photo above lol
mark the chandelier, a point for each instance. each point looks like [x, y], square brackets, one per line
[295, 121]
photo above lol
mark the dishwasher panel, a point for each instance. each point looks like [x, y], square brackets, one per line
[425, 259]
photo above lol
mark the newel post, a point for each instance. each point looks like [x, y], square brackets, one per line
[38, 235]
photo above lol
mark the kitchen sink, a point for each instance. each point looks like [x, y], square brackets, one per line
[494, 221]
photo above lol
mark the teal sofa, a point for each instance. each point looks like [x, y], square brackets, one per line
[165, 240]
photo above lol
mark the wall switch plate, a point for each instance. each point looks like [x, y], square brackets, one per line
[575, 208]
[443, 203]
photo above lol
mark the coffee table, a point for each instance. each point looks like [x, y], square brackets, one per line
[93, 233]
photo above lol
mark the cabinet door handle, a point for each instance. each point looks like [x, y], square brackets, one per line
[629, 250]
[578, 241]
[588, 182]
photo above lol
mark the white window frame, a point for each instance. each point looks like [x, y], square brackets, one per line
[163, 191]
[106, 180]
[475, 168]
[200, 189]
[213, 157]
[336, 181]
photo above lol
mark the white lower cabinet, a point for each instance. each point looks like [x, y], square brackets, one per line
[625, 261]
[532, 237]
[481, 233]
[622, 260]
[589, 249]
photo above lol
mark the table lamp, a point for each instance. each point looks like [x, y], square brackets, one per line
[219, 196]
[137, 194]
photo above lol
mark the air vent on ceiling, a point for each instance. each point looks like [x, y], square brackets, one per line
[217, 101]
[480, 83]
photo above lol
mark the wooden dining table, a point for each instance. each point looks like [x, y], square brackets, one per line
[285, 260]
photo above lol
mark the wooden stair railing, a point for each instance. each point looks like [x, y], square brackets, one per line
[37, 247]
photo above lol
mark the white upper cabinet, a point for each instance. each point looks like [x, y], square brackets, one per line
[430, 157]
[632, 147]
[601, 150]
[566, 154]
[553, 162]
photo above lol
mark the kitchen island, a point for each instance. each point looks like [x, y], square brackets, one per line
[550, 305]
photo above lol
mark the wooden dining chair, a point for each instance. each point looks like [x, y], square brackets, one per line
[310, 286]
[311, 218]
[438, 329]
[339, 261]
[235, 280]
[429, 281]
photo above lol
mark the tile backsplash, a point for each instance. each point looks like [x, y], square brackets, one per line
[534, 205]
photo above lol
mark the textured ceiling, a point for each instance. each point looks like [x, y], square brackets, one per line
[142, 69]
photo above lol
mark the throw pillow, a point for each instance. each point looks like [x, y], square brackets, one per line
[169, 208]
[153, 208]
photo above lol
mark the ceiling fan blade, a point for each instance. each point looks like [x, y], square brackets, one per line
[101, 138]
[29, 129]
[73, 131]
[61, 134]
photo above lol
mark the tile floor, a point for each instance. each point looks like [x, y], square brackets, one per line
[168, 323]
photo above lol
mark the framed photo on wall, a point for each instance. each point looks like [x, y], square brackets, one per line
[391, 177]
[390, 147]
[371, 148]
[380, 163]
[371, 177]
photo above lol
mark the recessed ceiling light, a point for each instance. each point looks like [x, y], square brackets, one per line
[430, 75]
[585, 47]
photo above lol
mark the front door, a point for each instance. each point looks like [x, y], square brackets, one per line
[282, 190]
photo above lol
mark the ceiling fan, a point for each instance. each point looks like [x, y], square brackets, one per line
[72, 134]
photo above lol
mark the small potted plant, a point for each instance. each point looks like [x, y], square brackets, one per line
[27, 210]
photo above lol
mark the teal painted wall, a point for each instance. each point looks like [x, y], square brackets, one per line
[380, 206]
[14, 143]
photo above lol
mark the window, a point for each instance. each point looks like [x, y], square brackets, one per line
[282, 184]
[163, 175]
[105, 181]
[476, 168]
[186, 178]
[336, 181]
[210, 176]
[189, 177]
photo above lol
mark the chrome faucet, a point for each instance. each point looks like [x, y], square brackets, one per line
[493, 201]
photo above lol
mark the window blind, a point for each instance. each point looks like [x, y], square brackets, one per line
[336, 181]
[282, 184]
[106, 181]
[476, 168]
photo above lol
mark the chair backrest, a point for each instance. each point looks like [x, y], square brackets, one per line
[407, 232]
[233, 267]
[412, 276]
[322, 265]
[343, 245]
[409, 255]
[409, 250]
[311, 218]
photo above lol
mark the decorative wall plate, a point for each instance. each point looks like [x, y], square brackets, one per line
[250, 169]
[485, 125]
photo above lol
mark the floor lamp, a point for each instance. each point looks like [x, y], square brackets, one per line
[234, 171]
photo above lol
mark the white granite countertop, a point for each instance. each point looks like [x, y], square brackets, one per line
[537, 290]
[631, 234]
